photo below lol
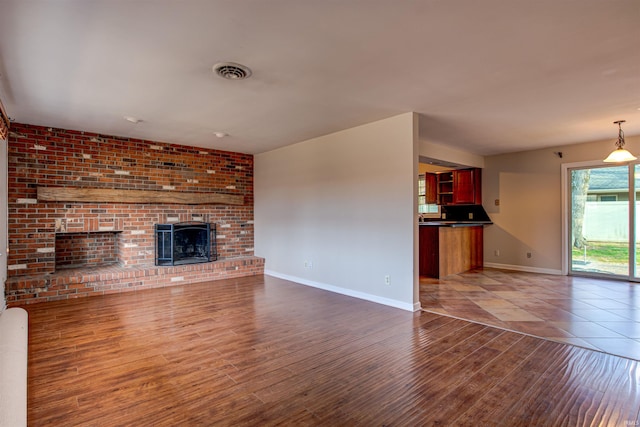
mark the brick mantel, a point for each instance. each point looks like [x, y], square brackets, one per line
[80, 162]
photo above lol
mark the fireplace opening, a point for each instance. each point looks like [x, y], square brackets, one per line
[185, 243]
[94, 249]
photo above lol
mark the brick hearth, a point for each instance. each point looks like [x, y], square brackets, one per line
[44, 236]
[85, 282]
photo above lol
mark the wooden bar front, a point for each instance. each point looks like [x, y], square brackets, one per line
[450, 250]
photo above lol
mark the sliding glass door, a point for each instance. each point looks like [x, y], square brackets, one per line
[602, 239]
[635, 211]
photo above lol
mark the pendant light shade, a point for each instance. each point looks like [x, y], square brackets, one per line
[620, 155]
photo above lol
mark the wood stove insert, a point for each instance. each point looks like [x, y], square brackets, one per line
[185, 243]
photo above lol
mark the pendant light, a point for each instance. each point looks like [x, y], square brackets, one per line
[620, 155]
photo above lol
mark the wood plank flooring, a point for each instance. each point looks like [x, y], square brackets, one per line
[264, 351]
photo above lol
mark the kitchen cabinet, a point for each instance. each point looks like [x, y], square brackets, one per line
[431, 187]
[446, 250]
[460, 187]
[445, 188]
[467, 187]
[427, 191]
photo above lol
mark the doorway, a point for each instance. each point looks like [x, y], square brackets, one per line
[601, 213]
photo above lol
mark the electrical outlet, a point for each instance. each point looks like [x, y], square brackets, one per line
[310, 264]
[528, 254]
[387, 280]
[496, 252]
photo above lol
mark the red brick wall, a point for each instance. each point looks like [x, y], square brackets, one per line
[40, 156]
[86, 249]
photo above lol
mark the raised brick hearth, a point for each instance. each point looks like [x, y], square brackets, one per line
[64, 249]
[85, 282]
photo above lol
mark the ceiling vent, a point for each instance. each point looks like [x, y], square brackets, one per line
[232, 71]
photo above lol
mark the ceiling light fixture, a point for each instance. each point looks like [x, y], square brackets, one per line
[232, 71]
[220, 134]
[620, 155]
[132, 119]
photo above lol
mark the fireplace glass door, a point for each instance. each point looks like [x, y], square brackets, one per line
[184, 243]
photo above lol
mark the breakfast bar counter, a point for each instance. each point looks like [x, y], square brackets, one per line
[450, 247]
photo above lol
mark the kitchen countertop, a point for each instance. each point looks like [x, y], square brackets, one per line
[446, 223]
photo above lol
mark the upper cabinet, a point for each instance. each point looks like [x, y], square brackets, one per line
[467, 185]
[431, 188]
[460, 187]
[427, 192]
[445, 188]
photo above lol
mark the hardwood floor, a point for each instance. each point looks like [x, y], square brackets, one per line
[264, 351]
[592, 313]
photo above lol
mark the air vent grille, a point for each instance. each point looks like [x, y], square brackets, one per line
[232, 71]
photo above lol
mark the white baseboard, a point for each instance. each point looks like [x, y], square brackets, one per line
[344, 291]
[523, 268]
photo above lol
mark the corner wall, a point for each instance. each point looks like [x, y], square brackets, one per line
[338, 211]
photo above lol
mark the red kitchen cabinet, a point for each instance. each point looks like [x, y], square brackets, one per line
[460, 187]
[467, 187]
[445, 188]
[431, 188]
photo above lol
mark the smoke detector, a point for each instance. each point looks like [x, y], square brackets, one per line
[232, 71]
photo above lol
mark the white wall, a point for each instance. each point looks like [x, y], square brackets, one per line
[452, 155]
[529, 216]
[345, 203]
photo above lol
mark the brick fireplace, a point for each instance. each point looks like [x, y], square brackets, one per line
[72, 246]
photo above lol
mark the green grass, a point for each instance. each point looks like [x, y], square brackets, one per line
[605, 252]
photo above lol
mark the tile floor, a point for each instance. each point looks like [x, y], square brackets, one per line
[593, 313]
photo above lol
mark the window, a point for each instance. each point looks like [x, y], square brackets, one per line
[429, 208]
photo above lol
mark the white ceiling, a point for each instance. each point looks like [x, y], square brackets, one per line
[486, 76]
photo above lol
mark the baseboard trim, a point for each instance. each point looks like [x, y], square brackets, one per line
[348, 292]
[523, 268]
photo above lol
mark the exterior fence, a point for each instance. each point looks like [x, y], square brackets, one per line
[607, 221]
